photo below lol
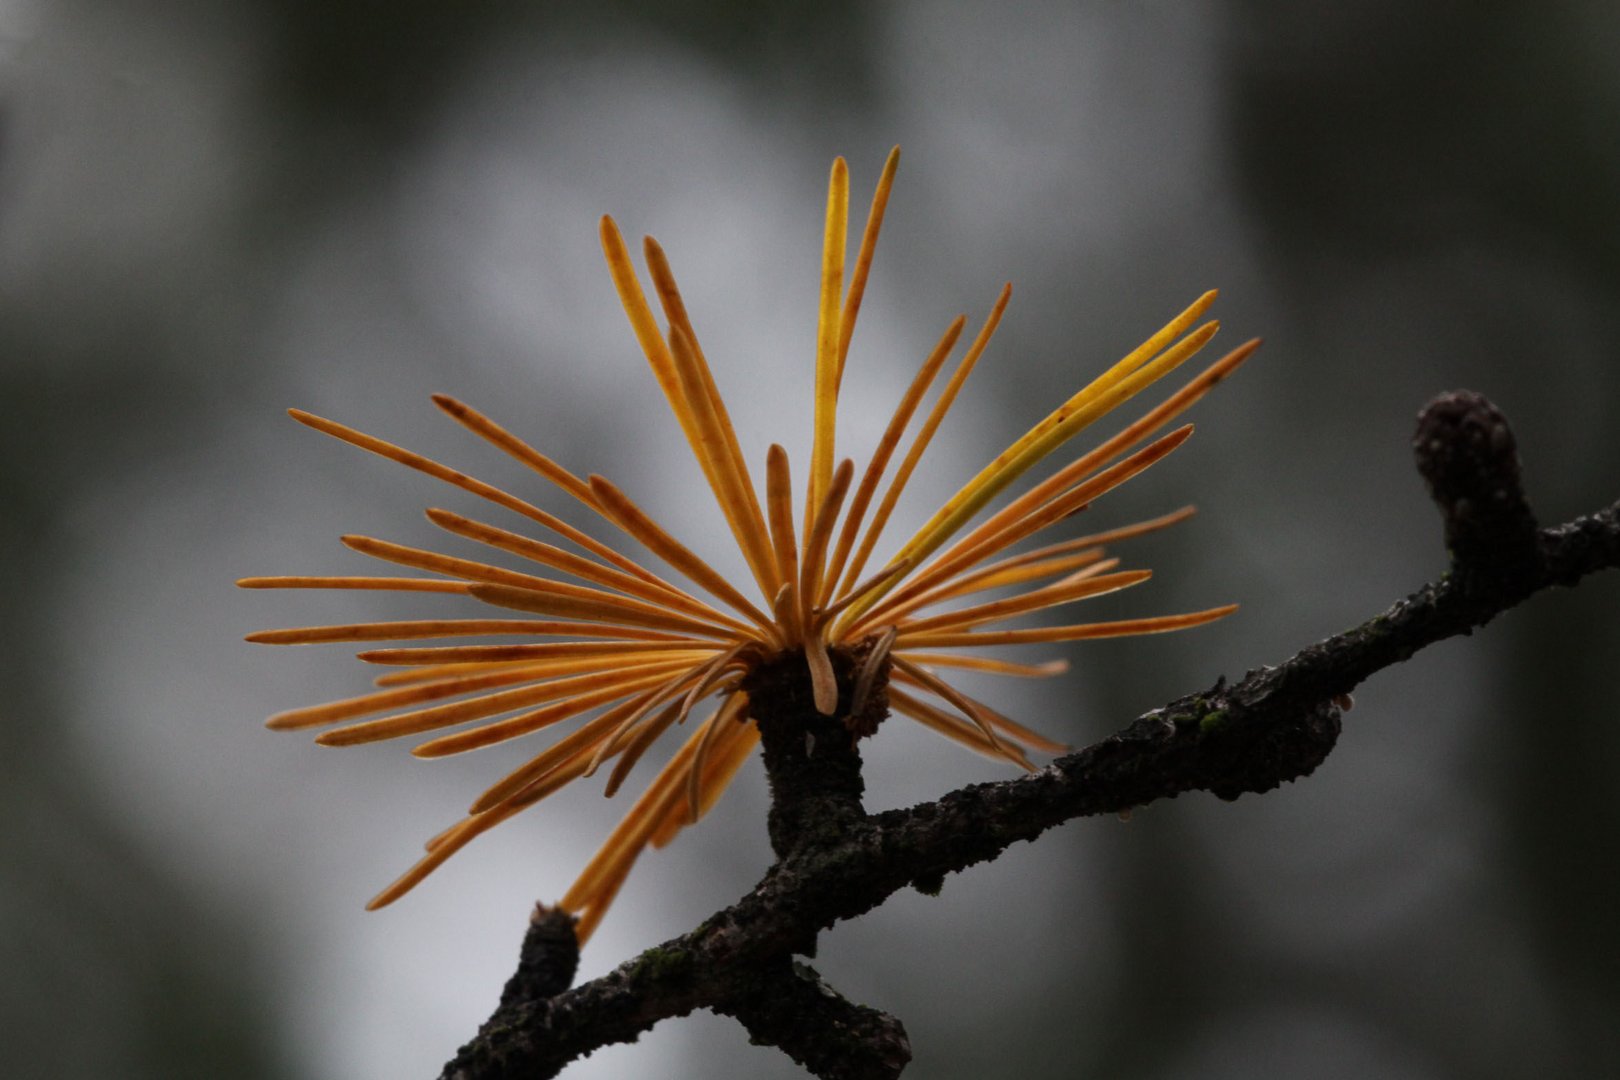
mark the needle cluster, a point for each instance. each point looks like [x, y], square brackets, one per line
[636, 653]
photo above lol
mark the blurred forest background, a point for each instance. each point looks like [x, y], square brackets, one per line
[211, 212]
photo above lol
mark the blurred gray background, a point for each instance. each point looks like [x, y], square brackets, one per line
[211, 212]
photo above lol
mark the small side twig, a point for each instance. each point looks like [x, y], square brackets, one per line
[791, 1007]
[547, 962]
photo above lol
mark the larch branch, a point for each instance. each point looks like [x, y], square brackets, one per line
[835, 861]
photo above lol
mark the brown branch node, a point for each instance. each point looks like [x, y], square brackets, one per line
[1467, 454]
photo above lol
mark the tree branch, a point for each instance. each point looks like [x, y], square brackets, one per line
[836, 862]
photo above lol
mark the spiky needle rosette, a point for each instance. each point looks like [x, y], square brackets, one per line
[635, 653]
